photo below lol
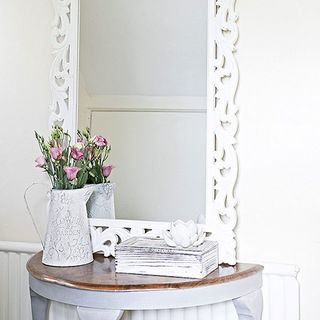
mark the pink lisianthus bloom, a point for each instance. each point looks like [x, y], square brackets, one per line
[76, 153]
[99, 141]
[71, 172]
[56, 153]
[40, 162]
[106, 170]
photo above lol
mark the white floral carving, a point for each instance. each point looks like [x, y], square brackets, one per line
[222, 123]
[222, 110]
[106, 233]
[63, 80]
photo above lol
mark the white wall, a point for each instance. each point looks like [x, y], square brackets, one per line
[24, 98]
[278, 189]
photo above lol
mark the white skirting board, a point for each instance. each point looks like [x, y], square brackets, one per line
[280, 292]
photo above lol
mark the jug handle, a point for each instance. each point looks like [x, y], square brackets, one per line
[25, 196]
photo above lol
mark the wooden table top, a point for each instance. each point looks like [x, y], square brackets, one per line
[100, 275]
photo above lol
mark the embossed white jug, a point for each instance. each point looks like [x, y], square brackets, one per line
[67, 241]
[101, 203]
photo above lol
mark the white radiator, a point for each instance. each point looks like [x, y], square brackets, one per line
[280, 292]
[14, 287]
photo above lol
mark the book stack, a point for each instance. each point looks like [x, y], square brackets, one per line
[148, 256]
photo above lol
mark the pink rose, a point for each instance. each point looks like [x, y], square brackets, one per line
[100, 141]
[56, 153]
[40, 162]
[106, 170]
[76, 153]
[71, 172]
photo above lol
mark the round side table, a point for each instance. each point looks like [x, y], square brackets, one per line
[101, 293]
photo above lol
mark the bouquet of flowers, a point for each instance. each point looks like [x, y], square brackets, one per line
[96, 151]
[73, 166]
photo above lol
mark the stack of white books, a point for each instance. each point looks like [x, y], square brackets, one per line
[148, 256]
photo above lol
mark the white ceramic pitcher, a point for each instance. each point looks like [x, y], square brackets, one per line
[67, 241]
[101, 203]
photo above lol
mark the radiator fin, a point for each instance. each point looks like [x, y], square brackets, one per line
[14, 286]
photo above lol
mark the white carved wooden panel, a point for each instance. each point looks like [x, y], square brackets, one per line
[105, 234]
[222, 123]
[63, 73]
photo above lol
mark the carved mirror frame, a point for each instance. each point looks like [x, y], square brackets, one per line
[222, 124]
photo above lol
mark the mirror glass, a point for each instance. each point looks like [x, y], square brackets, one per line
[142, 85]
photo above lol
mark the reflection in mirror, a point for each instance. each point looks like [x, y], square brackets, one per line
[143, 86]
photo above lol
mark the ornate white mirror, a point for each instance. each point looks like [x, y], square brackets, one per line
[158, 78]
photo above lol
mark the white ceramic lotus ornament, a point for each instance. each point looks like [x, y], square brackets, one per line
[184, 234]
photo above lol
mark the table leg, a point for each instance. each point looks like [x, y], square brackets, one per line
[249, 307]
[98, 314]
[39, 306]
